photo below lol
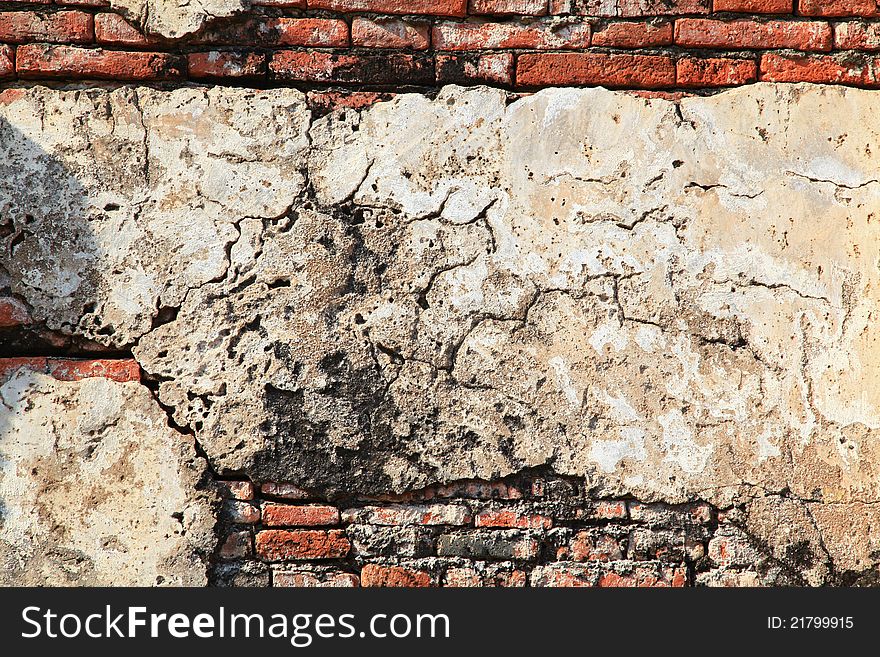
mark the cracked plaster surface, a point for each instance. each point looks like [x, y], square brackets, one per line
[671, 300]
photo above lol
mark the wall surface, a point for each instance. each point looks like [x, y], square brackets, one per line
[396, 332]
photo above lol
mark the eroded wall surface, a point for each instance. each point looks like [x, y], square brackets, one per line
[671, 301]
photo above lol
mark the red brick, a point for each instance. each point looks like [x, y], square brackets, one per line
[286, 491]
[509, 7]
[430, 7]
[65, 369]
[45, 61]
[327, 101]
[236, 546]
[487, 36]
[475, 68]
[315, 579]
[632, 8]
[394, 576]
[745, 33]
[854, 35]
[60, 27]
[113, 29]
[634, 35]
[393, 68]
[12, 311]
[237, 490]
[612, 70]
[390, 33]
[512, 519]
[7, 70]
[280, 544]
[472, 578]
[480, 490]
[865, 8]
[216, 64]
[418, 514]
[715, 71]
[823, 69]
[754, 6]
[645, 576]
[604, 510]
[281, 515]
[9, 366]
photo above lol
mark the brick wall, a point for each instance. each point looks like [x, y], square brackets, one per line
[531, 530]
[520, 44]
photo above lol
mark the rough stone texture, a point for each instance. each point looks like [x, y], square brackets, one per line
[173, 19]
[670, 300]
[96, 489]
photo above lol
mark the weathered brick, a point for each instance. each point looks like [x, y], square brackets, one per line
[730, 547]
[826, 8]
[751, 34]
[216, 64]
[422, 514]
[113, 29]
[488, 545]
[285, 4]
[666, 545]
[9, 366]
[69, 369]
[390, 33]
[284, 515]
[394, 576]
[472, 577]
[631, 8]
[237, 490]
[394, 68]
[512, 519]
[754, 6]
[403, 541]
[715, 71]
[538, 35]
[823, 69]
[317, 32]
[664, 515]
[236, 546]
[593, 546]
[322, 102]
[603, 510]
[557, 488]
[84, 3]
[431, 7]
[315, 579]
[58, 27]
[623, 574]
[241, 512]
[564, 575]
[620, 34]
[855, 35]
[285, 491]
[46, 61]
[12, 311]
[509, 7]
[612, 70]
[496, 68]
[280, 544]
[242, 574]
[479, 490]
[8, 310]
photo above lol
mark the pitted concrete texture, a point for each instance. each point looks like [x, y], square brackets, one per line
[671, 300]
[173, 19]
[96, 489]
